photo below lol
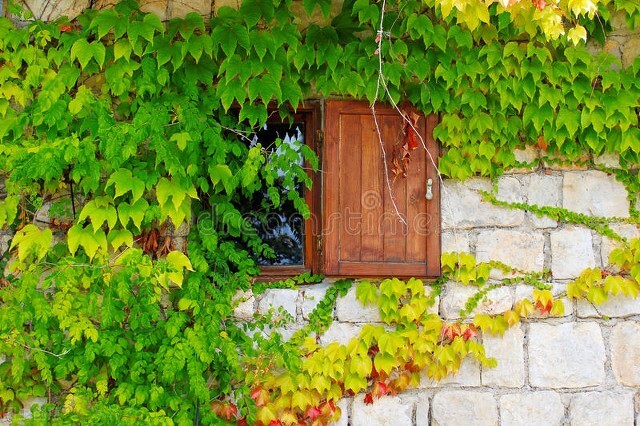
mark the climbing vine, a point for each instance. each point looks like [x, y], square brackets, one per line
[117, 128]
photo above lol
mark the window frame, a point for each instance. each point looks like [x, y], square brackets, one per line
[309, 112]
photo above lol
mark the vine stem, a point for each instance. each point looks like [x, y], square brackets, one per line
[38, 349]
[381, 82]
[375, 118]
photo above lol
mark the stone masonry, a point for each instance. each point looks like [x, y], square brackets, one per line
[580, 369]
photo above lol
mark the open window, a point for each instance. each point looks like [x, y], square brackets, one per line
[363, 233]
[291, 237]
[354, 228]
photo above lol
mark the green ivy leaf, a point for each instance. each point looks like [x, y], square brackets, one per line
[30, 240]
[181, 139]
[117, 237]
[385, 362]
[105, 21]
[90, 240]
[99, 214]
[367, 293]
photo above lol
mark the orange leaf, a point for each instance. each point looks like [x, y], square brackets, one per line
[542, 144]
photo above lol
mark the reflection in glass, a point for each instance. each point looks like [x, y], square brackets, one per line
[281, 228]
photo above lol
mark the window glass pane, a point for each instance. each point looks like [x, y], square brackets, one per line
[282, 228]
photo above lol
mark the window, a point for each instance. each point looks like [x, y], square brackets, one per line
[354, 229]
[293, 239]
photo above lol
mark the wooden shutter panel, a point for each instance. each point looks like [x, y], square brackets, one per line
[363, 236]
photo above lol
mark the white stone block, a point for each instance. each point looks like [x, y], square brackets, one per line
[50, 11]
[609, 160]
[569, 355]
[311, 296]
[594, 193]
[422, 410]
[467, 375]
[572, 252]
[457, 241]
[544, 190]
[510, 190]
[601, 409]
[531, 408]
[526, 155]
[6, 420]
[388, 410]
[625, 353]
[517, 249]
[613, 307]
[4, 242]
[181, 8]
[459, 408]
[245, 307]
[508, 351]
[455, 296]
[463, 207]
[543, 222]
[341, 332]
[349, 309]
[276, 298]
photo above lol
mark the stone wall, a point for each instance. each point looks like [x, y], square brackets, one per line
[581, 369]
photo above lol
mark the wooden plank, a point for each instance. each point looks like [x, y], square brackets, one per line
[419, 221]
[433, 206]
[372, 195]
[392, 227]
[331, 183]
[350, 165]
[383, 270]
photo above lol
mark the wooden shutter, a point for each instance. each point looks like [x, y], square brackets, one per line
[363, 236]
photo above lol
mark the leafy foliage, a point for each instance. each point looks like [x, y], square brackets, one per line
[135, 127]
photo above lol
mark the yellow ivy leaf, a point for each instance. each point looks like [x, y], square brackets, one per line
[511, 317]
[524, 308]
[557, 310]
[577, 33]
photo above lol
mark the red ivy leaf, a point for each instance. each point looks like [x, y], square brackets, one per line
[328, 408]
[224, 410]
[368, 399]
[541, 143]
[65, 29]
[412, 139]
[243, 422]
[313, 413]
[544, 309]
[470, 333]
[451, 331]
[260, 396]
[379, 389]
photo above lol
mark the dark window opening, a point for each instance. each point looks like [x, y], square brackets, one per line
[282, 227]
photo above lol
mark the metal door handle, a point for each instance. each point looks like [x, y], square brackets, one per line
[429, 194]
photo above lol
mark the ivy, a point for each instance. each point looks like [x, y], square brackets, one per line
[135, 127]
